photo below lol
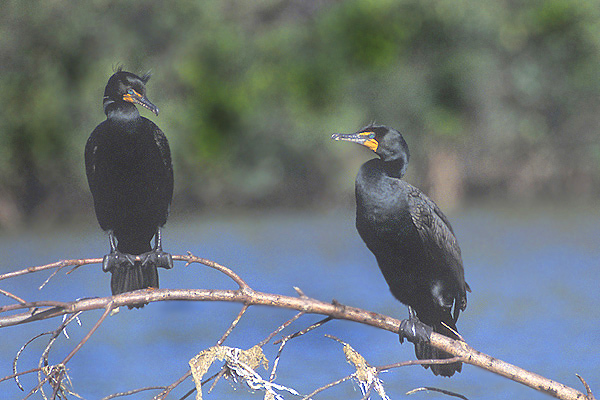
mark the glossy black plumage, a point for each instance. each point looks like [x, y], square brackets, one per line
[129, 171]
[411, 238]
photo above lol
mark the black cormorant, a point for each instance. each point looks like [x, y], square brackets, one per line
[129, 171]
[412, 241]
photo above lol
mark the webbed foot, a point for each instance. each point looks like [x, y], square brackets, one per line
[157, 258]
[413, 330]
[117, 259]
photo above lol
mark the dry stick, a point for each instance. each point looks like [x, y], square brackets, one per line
[271, 336]
[7, 377]
[332, 384]
[130, 392]
[109, 307]
[248, 296]
[188, 394]
[57, 383]
[58, 264]
[419, 362]
[41, 382]
[305, 330]
[233, 325]
[280, 328]
[12, 296]
[190, 258]
[56, 271]
[44, 358]
[172, 386]
[432, 389]
[16, 359]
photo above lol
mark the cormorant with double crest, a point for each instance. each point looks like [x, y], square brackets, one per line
[129, 171]
[413, 242]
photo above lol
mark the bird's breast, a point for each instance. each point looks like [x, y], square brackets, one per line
[382, 212]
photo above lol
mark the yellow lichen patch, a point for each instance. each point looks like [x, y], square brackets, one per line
[365, 375]
[364, 372]
[252, 358]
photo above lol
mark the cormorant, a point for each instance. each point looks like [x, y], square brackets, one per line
[129, 171]
[413, 242]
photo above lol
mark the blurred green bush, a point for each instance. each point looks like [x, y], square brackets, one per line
[250, 92]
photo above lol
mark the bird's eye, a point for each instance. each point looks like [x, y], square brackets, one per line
[130, 91]
[371, 136]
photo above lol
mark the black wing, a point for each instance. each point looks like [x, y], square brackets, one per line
[439, 241]
[165, 172]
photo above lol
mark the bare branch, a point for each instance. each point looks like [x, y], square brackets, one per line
[319, 390]
[109, 308]
[134, 391]
[590, 395]
[233, 325]
[280, 328]
[190, 258]
[244, 294]
[419, 362]
[305, 330]
[432, 389]
[172, 386]
[58, 264]
[12, 296]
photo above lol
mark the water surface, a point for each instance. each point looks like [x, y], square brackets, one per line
[535, 279]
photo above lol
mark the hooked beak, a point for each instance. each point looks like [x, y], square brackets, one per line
[136, 98]
[366, 139]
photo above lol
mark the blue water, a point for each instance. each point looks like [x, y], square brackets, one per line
[535, 278]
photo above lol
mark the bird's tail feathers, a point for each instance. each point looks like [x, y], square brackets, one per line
[424, 351]
[127, 278]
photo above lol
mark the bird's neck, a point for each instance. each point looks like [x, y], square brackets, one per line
[394, 168]
[120, 110]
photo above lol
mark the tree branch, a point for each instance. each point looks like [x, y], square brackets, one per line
[249, 297]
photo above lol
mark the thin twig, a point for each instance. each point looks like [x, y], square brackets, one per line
[56, 271]
[319, 390]
[188, 394]
[280, 328]
[44, 358]
[305, 330]
[19, 374]
[35, 389]
[134, 391]
[172, 386]
[590, 395]
[57, 383]
[419, 362]
[58, 264]
[190, 258]
[433, 389]
[218, 376]
[16, 359]
[233, 325]
[107, 311]
[12, 296]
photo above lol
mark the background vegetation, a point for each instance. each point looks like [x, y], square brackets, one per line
[497, 99]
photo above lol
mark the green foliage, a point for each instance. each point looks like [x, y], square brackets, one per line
[251, 91]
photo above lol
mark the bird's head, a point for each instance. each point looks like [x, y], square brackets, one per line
[127, 87]
[386, 142]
